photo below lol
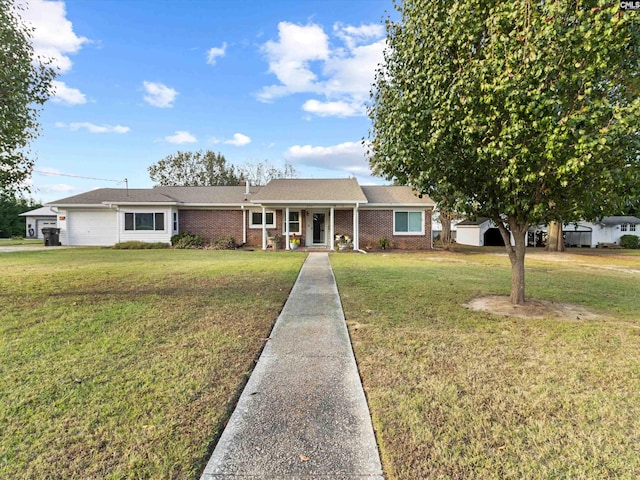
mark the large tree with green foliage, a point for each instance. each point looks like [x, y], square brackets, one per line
[194, 169]
[25, 84]
[524, 112]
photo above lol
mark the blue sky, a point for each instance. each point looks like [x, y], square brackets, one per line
[282, 80]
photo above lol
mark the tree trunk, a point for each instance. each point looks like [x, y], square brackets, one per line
[516, 256]
[555, 242]
[445, 235]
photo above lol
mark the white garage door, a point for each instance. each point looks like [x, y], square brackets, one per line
[91, 228]
[40, 224]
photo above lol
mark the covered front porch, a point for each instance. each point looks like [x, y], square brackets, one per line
[316, 227]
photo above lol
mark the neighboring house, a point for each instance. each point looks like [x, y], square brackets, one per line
[38, 219]
[607, 230]
[317, 211]
[480, 232]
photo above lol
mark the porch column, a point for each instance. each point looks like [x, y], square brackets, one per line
[286, 229]
[356, 228]
[264, 228]
[332, 235]
[244, 225]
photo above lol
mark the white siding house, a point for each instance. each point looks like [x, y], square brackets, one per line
[607, 230]
[610, 229]
[38, 219]
[129, 214]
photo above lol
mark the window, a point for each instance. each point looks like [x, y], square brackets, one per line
[294, 222]
[175, 221]
[623, 227]
[144, 221]
[632, 227]
[408, 223]
[255, 220]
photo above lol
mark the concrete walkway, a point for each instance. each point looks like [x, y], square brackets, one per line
[303, 413]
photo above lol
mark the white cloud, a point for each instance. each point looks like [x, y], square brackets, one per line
[215, 52]
[353, 35]
[238, 140]
[92, 127]
[348, 156]
[67, 95]
[328, 109]
[181, 137]
[53, 35]
[289, 58]
[305, 61]
[159, 95]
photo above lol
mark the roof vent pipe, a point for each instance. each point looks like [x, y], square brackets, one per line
[246, 187]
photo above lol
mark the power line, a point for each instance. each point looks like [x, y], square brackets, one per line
[42, 172]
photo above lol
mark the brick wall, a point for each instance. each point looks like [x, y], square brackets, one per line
[375, 224]
[343, 220]
[212, 224]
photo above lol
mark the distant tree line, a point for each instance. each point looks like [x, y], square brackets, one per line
[11, 206]
[207, 168]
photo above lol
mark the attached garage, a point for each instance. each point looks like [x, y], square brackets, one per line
[88, 227]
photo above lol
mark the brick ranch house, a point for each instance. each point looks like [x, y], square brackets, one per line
[317, 210]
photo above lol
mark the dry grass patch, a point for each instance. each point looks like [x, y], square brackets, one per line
[458, 393]
[535, 309]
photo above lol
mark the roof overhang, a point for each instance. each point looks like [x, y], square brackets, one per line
[309, 203]
[399, 205]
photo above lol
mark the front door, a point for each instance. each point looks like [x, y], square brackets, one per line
[318, 228]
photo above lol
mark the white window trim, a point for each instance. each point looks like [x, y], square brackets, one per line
[410, 211]
[292, 232]
[134, 213]
[259, 225]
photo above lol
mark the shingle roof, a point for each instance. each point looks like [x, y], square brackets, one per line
[280, 191]
[209, 195]
[395, 195]
[321, 191]
[477, 221]
[191, 195]
[619, 220]
[39, 212]
[115, 195]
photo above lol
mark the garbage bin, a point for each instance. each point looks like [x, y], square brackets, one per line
[51, 236]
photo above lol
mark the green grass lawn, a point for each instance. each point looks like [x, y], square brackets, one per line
[462, 394]
[6, 242]
[125, 364]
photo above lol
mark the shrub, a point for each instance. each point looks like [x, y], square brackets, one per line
[384, 243]
[629, 241]
[187, 240]
[137, 245]
[228, 243]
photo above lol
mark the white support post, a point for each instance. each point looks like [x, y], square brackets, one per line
[244, 225]
[286, 229]
[332, 235]
[264, 228]
[356, 228]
